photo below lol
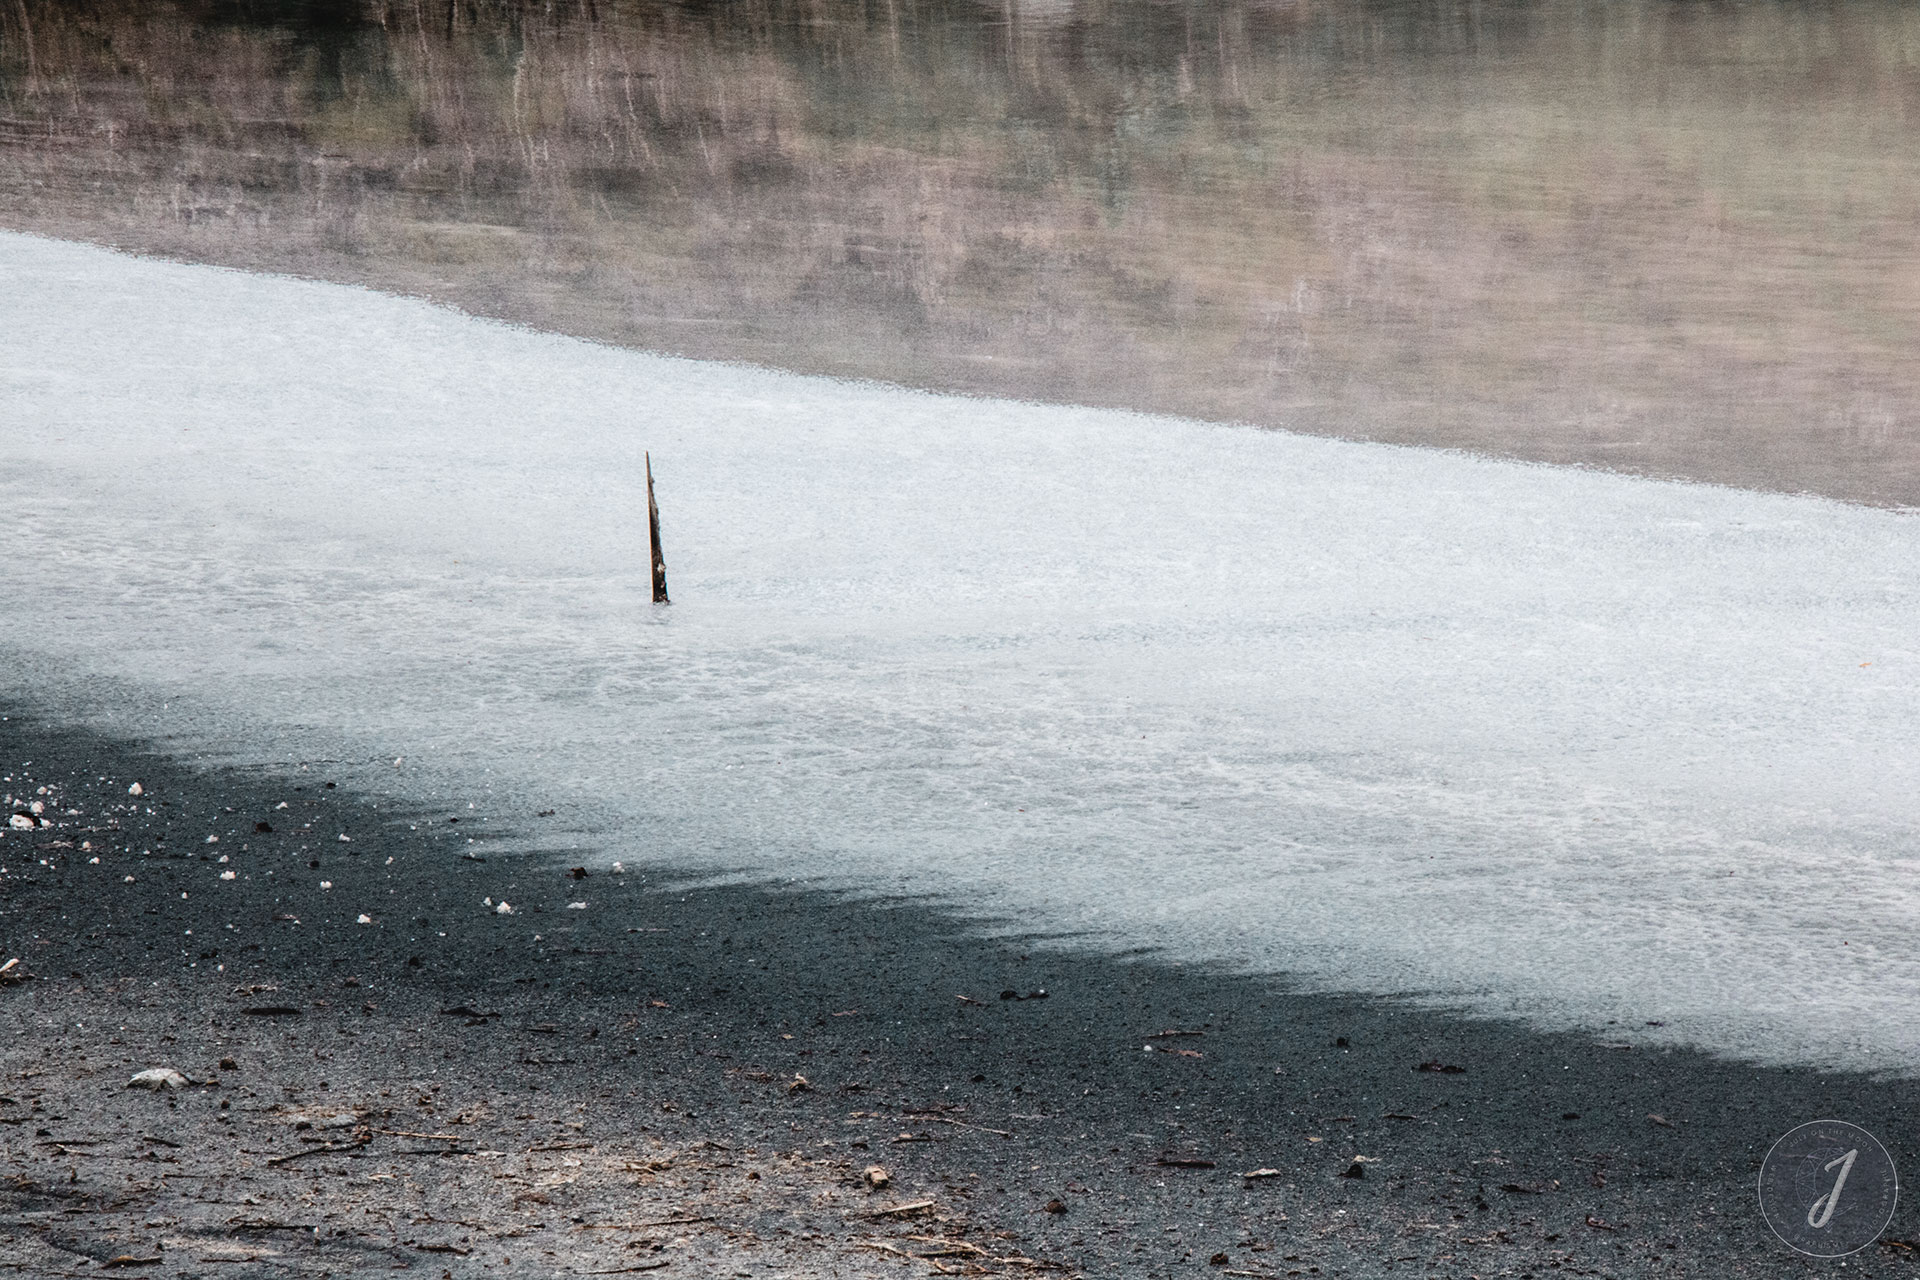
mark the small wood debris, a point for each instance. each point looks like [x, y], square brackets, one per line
[409, 1133]
[324, 1148]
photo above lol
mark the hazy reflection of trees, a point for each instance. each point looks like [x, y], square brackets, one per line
[1645, 234]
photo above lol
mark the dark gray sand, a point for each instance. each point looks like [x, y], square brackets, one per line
[694, 1081]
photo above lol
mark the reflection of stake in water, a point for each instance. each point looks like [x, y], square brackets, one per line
[1821, 1211]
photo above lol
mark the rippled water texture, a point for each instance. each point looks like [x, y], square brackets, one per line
[1526, 739]
[1669, 238]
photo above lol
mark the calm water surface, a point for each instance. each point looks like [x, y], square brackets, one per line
[1672, 238]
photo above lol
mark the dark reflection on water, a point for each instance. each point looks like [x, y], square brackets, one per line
[1669, 237]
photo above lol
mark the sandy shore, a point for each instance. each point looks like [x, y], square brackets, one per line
[694, 1081]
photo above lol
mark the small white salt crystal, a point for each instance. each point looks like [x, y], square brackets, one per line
[576, 906]
[504, 909]
[326, 884]
[366, 919]
[226, 875]
[135, 789]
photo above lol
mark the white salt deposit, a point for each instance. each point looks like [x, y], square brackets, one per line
[1567, 745]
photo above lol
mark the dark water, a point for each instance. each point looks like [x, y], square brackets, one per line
[1669, 237]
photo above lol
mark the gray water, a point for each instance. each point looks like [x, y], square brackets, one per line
[1668, 238]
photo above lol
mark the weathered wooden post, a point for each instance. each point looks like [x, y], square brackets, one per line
[653, 536]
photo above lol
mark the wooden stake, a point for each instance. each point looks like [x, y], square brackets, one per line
[653, 536]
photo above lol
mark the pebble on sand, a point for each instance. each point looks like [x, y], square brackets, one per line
[158, 1078]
